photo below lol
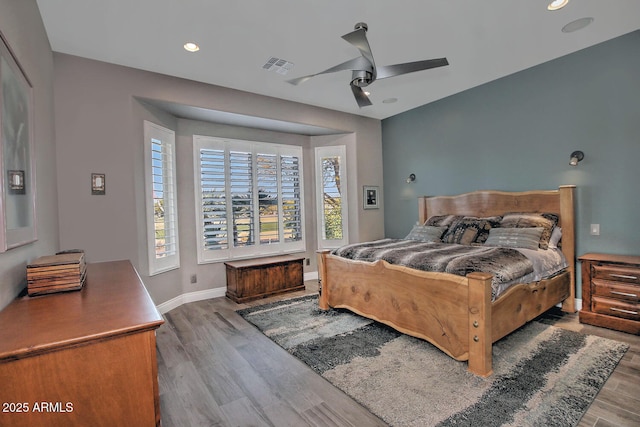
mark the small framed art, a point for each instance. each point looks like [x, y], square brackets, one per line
[370, 197]
[97, 184]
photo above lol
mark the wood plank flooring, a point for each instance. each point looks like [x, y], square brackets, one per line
[215, 369]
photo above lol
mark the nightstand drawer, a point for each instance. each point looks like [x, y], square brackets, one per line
[616, 273]
[611, 291]
[616, 290]
[615, 308]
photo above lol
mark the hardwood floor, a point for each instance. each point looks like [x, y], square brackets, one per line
[618, 403]
[215, 369]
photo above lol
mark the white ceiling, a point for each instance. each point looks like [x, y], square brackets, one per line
[482, 39]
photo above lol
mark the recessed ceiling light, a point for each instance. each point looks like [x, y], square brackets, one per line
[576, 25]
[191, 47]
[557, 4]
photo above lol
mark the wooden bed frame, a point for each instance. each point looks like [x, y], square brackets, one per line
[455, 313]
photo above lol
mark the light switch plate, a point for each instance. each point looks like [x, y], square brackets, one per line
[595, 229]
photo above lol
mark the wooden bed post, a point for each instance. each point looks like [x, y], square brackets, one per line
[567, 218]
[480, 338]
[323, 294]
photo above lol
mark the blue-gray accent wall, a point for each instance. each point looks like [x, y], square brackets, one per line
[517, 133]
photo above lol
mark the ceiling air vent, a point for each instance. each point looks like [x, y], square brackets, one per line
[280, 66]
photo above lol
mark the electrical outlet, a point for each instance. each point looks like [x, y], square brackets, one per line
[194, 278]
[595, 229]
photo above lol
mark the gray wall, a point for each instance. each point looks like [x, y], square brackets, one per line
[516, 134]
[22, 27]
[99, 129]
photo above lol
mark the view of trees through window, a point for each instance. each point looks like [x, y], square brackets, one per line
[332, 198]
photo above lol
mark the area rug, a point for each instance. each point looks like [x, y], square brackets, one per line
[543, 375]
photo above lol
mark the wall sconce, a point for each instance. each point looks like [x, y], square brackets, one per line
[412, 178]
[576, 157]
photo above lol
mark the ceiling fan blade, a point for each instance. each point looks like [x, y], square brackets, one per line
[361, 98]
[409, 67]
[358, 38]
[359, 63]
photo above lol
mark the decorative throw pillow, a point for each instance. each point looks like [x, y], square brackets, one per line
[529, 220]
[425, 233]
[443, 220]
[526, 238]
[470, 230]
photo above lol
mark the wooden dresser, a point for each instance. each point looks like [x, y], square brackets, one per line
[82, 358]
[255, 278]
[611, 291]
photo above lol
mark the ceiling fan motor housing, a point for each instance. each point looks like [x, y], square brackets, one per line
[362, 25]
[361, 78]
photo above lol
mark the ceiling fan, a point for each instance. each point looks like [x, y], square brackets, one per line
[364, 70]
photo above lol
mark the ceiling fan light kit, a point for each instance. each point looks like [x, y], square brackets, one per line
[363, 68]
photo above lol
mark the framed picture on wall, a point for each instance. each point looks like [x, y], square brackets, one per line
[98, 186]
[370, 197]
[17, 180]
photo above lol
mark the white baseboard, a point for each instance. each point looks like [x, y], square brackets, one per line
[578, 304]
[311, 276]
[191, 297]
[207, 294]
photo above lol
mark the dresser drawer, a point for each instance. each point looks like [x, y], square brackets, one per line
[617, 273]
[612, 307]
[616, 290]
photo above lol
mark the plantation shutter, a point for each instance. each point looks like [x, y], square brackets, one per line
[291, 203]
[267, 167]
[161, 199]
[164, 203]
[250, 198]
[213, 199]
[241, 187]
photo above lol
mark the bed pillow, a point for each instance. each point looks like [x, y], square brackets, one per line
[526, 238]
[426, 233]
[531, 219]
[443, 220]
[556, 235]
[470, 230]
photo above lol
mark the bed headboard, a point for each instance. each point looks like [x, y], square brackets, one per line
[490, 203]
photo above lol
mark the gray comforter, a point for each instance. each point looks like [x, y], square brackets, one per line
[505, 264]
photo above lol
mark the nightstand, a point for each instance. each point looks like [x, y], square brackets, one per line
[611, 291]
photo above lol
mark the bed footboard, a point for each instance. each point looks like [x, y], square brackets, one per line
[421, 304]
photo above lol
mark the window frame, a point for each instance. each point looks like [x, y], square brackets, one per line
[320, 153]
[166, 136]
[257, 248]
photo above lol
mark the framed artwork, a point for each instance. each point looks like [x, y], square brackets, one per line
[370, 197]
[98, 187]
[17, 180]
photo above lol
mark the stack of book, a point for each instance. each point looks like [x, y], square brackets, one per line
[56, 273]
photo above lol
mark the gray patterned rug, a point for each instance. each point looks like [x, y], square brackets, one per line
[543, 375]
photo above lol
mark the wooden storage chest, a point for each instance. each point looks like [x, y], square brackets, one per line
[251, 279]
